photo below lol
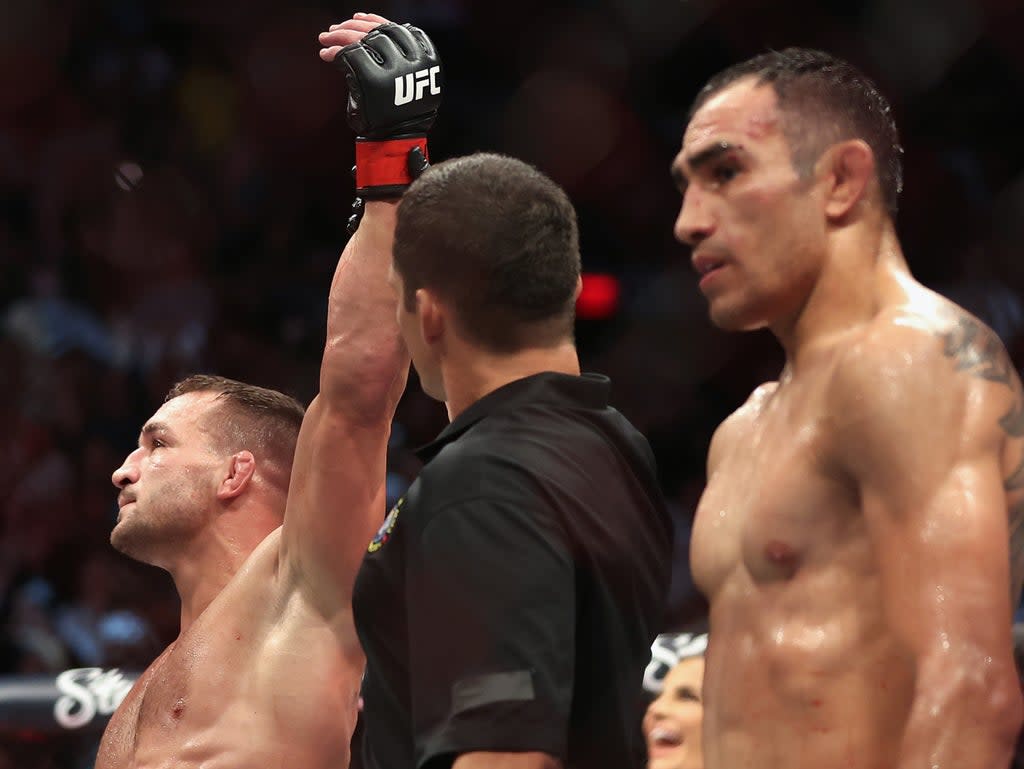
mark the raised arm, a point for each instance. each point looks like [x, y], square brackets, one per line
[922, 438]
[336, 498]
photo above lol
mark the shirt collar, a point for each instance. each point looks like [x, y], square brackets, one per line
[547, 388]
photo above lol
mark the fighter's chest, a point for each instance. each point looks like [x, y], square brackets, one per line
[119, 746]
[774, 500]
[176, 688]
[159, 708]
[186, 688]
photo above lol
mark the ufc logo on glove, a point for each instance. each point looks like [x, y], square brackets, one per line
[418, 81]
[394, 79]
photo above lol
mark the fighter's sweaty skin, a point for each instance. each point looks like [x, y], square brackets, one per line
[257, 680]
[805, 670]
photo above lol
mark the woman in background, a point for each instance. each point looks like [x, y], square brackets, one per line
[672, 724]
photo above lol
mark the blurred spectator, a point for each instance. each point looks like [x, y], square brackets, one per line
[673, 721]
[94, 629]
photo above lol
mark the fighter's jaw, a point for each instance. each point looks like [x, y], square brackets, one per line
[128, 539]
[742, 307]
[734, 316]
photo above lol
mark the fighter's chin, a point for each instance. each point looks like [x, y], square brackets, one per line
[118, 539]
[730, 316]
[124, 540]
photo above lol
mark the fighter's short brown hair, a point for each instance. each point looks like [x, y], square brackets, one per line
[263, 421]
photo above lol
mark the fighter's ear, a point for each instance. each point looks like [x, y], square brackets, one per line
[848, 168]
[240, 469]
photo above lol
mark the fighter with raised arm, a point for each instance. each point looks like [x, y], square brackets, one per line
[264, 551]
[859, 538]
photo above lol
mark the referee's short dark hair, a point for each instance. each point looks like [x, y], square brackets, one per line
[497, 239]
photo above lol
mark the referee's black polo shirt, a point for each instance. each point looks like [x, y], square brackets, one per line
[510, 599]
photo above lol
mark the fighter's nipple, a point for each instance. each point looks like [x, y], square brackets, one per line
[781, 555]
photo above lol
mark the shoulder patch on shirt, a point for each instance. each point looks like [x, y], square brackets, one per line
[384, 532]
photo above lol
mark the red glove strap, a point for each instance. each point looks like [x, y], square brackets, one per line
[385, 163]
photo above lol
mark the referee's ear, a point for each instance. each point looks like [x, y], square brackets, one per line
[431, 314]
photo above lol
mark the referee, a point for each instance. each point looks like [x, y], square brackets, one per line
[508, 603]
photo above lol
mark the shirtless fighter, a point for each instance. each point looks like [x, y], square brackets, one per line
[266, 669]
[860, 536]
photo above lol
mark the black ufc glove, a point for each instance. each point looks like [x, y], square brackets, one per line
[394, 90]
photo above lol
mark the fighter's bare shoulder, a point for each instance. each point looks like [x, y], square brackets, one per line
[925, 361]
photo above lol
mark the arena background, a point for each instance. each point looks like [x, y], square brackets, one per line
[174, 185]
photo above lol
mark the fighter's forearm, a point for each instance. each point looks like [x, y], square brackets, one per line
[365, 362]
[964, 716]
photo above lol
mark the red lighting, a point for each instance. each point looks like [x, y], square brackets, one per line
[599, 298]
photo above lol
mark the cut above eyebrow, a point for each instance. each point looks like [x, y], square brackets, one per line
[710, 154]
[697, 161]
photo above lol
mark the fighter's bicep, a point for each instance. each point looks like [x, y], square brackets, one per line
[942, 554]
[922, 448]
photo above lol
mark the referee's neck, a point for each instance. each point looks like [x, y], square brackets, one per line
[471, 373]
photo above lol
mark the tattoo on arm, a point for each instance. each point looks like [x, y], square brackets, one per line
[977, 350]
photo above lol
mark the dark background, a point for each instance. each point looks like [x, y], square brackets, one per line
[219, 258]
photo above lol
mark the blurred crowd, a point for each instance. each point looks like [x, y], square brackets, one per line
[174, 185]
